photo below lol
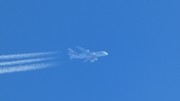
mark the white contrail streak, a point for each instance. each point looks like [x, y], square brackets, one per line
[18, 62]
[25, 55]
[25, 67]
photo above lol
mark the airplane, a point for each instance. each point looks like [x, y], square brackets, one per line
[86, 54]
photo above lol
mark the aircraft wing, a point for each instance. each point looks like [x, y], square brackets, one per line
[87, 52]
[90, 59]
[81, 49]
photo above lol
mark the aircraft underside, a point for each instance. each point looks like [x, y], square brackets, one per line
[87, 55]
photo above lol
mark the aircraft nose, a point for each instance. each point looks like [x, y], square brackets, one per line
[105, 53]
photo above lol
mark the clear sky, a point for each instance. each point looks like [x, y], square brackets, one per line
[142, 38]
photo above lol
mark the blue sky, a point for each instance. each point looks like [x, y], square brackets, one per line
[141, 37]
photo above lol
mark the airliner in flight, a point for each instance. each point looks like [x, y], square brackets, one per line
[86, 54]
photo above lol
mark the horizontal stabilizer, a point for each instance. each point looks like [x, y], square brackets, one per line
[71, 53]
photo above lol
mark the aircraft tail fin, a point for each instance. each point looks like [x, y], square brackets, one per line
[71, 53]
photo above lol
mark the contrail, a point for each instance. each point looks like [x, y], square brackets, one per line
[18, 62]
[25, 55]
[25, 67]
